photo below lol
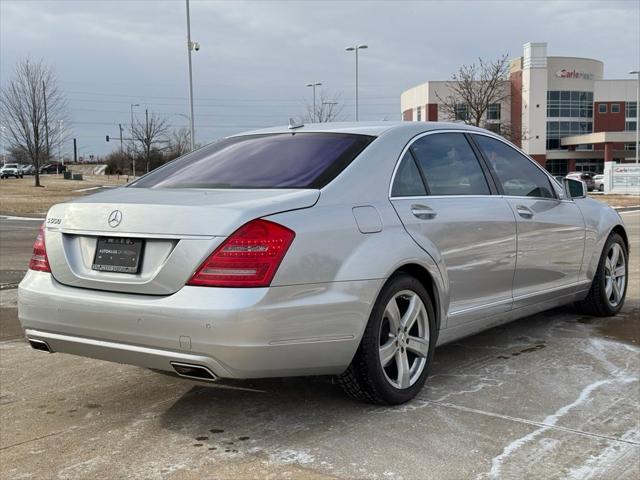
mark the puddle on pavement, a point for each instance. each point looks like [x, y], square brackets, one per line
[533, 348]
[625, 327]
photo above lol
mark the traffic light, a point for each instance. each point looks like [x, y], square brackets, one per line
[107, 138]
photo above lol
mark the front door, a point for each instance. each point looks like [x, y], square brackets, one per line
[551, 231]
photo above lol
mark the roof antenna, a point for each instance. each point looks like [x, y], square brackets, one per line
[293, 124]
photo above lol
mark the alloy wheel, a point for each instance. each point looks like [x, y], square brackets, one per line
[615, 274]
[404, 339]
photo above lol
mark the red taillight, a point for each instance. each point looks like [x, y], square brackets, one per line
[39, 260]
[248, 258]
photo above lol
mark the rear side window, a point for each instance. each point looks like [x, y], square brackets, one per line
[516, 173]
[408, 182]
[449, 165]
[300, 160]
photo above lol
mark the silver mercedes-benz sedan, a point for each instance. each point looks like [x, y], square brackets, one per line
[344, 249]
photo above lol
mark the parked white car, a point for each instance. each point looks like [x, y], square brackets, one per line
[10, 170]
[598, 183]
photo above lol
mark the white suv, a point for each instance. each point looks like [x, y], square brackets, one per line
[11, 170]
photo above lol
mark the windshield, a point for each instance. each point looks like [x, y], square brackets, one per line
[300, 160]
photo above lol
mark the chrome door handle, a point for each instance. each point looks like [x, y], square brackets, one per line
[524, 212]
[423, 212]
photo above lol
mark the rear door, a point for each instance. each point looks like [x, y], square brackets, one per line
[551, 230]
[445, 199]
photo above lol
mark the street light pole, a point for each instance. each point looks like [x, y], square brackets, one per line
[314, 85]
[191, 46]
[355, 49]
[637, 73]
[133, 155]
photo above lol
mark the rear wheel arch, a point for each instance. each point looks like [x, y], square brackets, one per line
[428, 282]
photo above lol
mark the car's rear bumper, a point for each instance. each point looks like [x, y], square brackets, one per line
[235, 333]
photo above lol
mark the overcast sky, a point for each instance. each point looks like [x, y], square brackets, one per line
[256, 57]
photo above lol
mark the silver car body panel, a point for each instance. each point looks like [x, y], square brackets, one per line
[181, 228]
[350, 238]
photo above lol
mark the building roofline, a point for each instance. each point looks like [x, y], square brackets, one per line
[576, 58]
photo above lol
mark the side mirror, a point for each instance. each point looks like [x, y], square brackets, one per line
[575, 188]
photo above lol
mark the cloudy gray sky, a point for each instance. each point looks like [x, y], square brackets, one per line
[257, 56]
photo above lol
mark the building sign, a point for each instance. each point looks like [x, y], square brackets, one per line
[620, 178]
[574, 74]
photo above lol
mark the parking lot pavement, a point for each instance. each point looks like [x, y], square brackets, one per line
[555, 395]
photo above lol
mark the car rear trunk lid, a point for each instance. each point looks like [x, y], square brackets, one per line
[179, 229]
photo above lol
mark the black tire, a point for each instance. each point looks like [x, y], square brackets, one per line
[597, 302]
[365, 379]
[601, 188]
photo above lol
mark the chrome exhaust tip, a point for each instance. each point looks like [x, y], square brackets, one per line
[40, 345]
[194, 372]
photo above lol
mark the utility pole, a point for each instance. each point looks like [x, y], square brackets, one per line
[46, 122]
[314, 85]
[133, 153]
[75, 151]
[190, 46]
[147, 148]
[121, 147]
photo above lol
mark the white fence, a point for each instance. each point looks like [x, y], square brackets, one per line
[621, 178]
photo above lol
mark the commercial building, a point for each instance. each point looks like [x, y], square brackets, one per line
[559, 110]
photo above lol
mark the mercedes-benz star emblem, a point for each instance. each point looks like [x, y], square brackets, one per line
[115, 218]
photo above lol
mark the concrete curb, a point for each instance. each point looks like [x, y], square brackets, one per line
[626, 209]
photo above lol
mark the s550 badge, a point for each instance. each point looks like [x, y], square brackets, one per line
[54, 221]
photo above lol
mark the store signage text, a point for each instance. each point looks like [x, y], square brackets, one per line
[574, 74]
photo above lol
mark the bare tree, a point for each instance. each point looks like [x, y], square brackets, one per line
[328, 109]
[473, 88]
[33, 109]
[150, 135]
[178, 143]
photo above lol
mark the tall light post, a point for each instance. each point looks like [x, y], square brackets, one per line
[355, 49]
[314, 85]
[637, 73]
[190, 47]
[133, 155]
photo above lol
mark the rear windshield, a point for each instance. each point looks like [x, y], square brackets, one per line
[300, 160]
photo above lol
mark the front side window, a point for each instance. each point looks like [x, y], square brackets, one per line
[516, 173]
[408, 182]
[285, 160]
[449, 165]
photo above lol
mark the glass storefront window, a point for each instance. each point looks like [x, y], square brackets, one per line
[556, 130]
[557, 167]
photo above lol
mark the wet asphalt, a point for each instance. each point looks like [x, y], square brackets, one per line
[554, 395]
